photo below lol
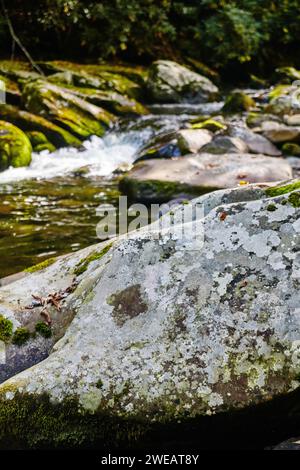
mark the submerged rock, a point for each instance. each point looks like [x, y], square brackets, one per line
[64, 108]
[15, 147]
[163, 180]
[169, 82]
[166, 329]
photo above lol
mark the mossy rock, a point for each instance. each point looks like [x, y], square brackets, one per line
[238, 102]
[40, 142]
[110, 100]
[287, 74]
[291, 149]
[15, 147]
[203, 69]
[29, 122]
[79, 117]
[258, 82]
[12, 89]
[255, 119]
[278, 91]
[209, 124]
[17, 70]
[103, 77]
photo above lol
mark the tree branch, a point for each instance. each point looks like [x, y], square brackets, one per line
[17, 41]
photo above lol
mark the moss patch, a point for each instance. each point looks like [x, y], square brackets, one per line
[280, 190]
[21, 336]
[40, 266]
[15, 147]
[209, 124]
[43, 329]
[294, 199]
[237, 102]
[271, 207]
[33, 422]
[6, 329]
[83, 264]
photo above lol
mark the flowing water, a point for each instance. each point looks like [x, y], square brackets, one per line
[49, 208]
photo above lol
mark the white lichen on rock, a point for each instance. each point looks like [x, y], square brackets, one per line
[180, 328]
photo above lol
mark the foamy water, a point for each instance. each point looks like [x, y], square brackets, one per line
[101, 156]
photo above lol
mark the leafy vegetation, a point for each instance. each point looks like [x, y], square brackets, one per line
[247, 34]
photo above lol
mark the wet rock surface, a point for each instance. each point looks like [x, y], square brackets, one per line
[161, 180]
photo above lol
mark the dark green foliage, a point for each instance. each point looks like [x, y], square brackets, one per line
[43, 329]
[6, 328]
[254, 34]
[21, 336]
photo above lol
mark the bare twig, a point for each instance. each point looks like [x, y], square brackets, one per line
[17, 41]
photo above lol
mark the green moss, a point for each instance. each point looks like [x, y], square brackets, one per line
[278, 91]
[6, 329]
[15, 147]
[31, 422]
[21, 336]
[291, 149]
[43, 329]
[271, 208]
[40, 266]
[99, 384]
[284, 189]
[237, 102]
[40, 142]
[209, 124]
[30, 122]
[83, 264]
[65, 109]
[294, 199]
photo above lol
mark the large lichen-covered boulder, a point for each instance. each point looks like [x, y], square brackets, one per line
[165, 179]
[15, 147]
[64, 108]
[170, 82]
[166, 329]
[29, 122]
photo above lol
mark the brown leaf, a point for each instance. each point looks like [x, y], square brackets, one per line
[46, 315]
